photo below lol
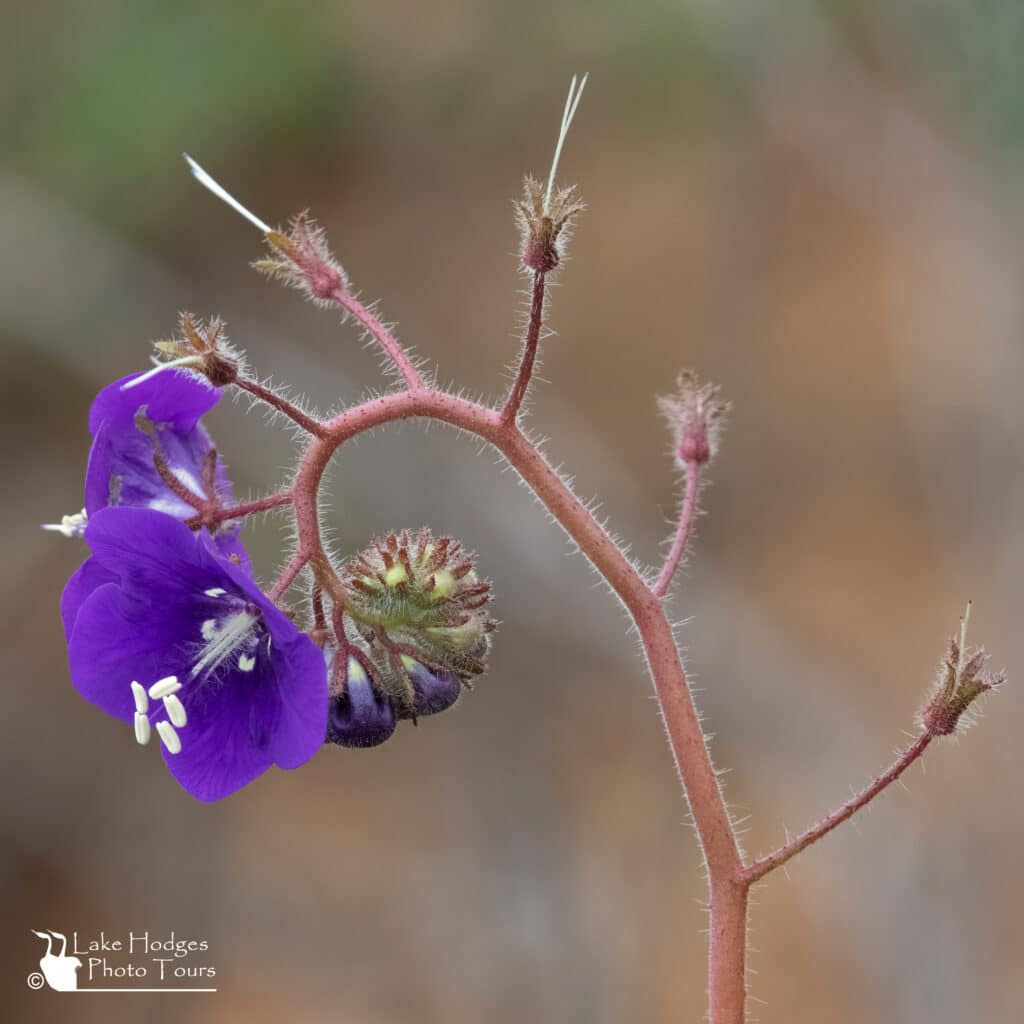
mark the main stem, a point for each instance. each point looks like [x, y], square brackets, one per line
[728, 906]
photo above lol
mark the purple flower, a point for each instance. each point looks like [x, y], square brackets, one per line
[435, 690]
[361, 716]
[169, 635]
[145, 423]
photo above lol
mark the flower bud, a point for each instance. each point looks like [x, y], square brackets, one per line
[962, 679]
[302, 260]
[435, 691]
[422, 612]
[360, 715]
[543, 221]
[695, 415]
[203, 347]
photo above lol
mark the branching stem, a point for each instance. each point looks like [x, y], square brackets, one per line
[760, 868]
[225, 513]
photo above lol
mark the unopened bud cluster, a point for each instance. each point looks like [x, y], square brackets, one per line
[421, 633]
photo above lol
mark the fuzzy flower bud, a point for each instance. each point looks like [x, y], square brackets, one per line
[202, 347]
[962, 679]
[695, 414]
[421, 612]
[302, 260]
[543, 221]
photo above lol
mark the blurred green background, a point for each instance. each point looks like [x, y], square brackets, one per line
[816, 205]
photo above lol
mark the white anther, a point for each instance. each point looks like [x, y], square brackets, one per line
[172, 741]
[247, 662]
[142, 730]
[572, 101]
[164, 687]
[141, 700]
[209, 629]
[215, 592]
[69, 526]
[175, 711]
[221, 193]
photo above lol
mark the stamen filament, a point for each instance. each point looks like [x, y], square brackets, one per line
[159, 368]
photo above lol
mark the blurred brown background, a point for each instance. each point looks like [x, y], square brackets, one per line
[816, 205]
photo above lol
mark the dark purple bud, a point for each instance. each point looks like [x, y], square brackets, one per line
[435, 691]
[361, 716]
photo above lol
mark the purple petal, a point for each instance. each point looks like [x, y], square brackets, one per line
[152, 623]
[173, 397]
[89, 576]
[121, 470]
[117, 639]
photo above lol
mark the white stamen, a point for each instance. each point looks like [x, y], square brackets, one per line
[159, 368]
[175, 711]
[572, 101]
[221, 193]
[172, 741]
[215, 592]
[142, 730]
[141, 700]
[164, 687]
[247, 662]
[209, 629]
[69, 526]
[228, 639]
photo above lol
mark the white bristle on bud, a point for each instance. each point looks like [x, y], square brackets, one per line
[220, 192]
[572, 101]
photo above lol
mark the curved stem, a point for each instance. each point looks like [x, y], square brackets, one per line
[529, 356]
[693, 761]
[226, 513]
[387, 341]
[761, 867]
[687, 514]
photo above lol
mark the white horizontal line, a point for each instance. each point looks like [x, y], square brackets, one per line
[143, 990]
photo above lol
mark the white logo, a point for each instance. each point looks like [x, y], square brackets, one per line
[60, 971]
[138, 959]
